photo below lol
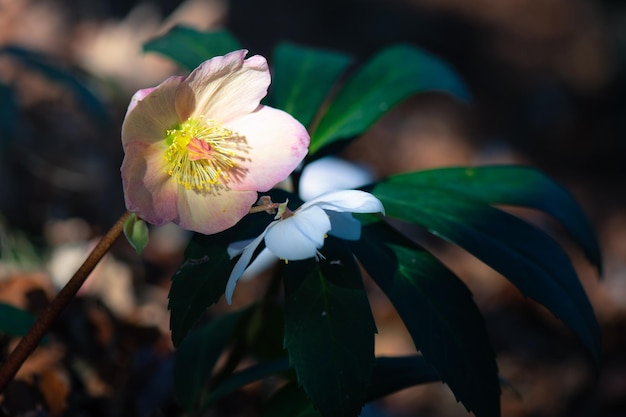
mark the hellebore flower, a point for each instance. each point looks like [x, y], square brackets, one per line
[198, 148]
[299, 234]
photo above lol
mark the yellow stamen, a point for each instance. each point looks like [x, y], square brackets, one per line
[201, 154]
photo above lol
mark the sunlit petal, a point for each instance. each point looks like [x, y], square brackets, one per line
[353, 201]
[277, 143]
[299, 236]
[241, 265]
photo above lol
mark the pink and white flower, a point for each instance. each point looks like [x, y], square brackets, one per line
[198, 148]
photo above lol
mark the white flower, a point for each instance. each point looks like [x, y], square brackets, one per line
[298, 235]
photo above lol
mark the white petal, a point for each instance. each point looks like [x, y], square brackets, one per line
[330, 174]
[241, 265]
[236, 248]
[299, 236]
[344, 226]
[264, 260]
[353, 201]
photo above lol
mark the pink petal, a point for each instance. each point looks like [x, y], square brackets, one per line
[152, 113]
[227, 87]
[207, 213]
[148, 190]
[277, 142]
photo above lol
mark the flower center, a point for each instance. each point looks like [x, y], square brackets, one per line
[201, 153]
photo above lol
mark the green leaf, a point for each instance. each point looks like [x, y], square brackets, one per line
[201, 280]
[15, 322]
[391, 76]
[189, 47]
[329, 331]
[136, 232]
[196, 356]
[517, 186]
[304, 77]
[440, 314]
[392, 374]
[524, 254]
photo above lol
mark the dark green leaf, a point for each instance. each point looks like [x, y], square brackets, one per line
[303, 78]
[201, 280]
[15, 322]
[189, 47]
[516, 186]
[329, 331]
[391, 76]
[393, 374]
[439, 313]
[525, 255]
[196, 356]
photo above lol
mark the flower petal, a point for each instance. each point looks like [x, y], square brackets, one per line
[148, 190]
[277, 143]
[344, 226]
[299, 236]
[331, 173]
[241, 265]
[354, 201]
[208, 213]
[227, 87]
[151, 113]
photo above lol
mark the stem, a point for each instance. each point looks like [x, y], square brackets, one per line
[31, 340]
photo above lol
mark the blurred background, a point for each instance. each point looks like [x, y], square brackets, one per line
[548, 79]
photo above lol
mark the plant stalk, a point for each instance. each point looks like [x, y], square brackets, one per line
[31, 340]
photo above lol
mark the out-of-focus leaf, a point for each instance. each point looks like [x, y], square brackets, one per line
[53, 72]
[303, 78]
[196, 357]
[201, 280]
[329, 331]
[440, 314]
[15, 322]
[524, 254]
[391, 76]
[189, 47]
[517, 186]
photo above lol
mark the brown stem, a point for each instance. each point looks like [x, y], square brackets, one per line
[30, 341]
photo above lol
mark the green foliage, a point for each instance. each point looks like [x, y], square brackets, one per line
[439, 313]
[329, 331]
[189, 47]
[201, 280]
[196, 356]
[394, 74]
[527, 256]
[325, 321]
[304, 77]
